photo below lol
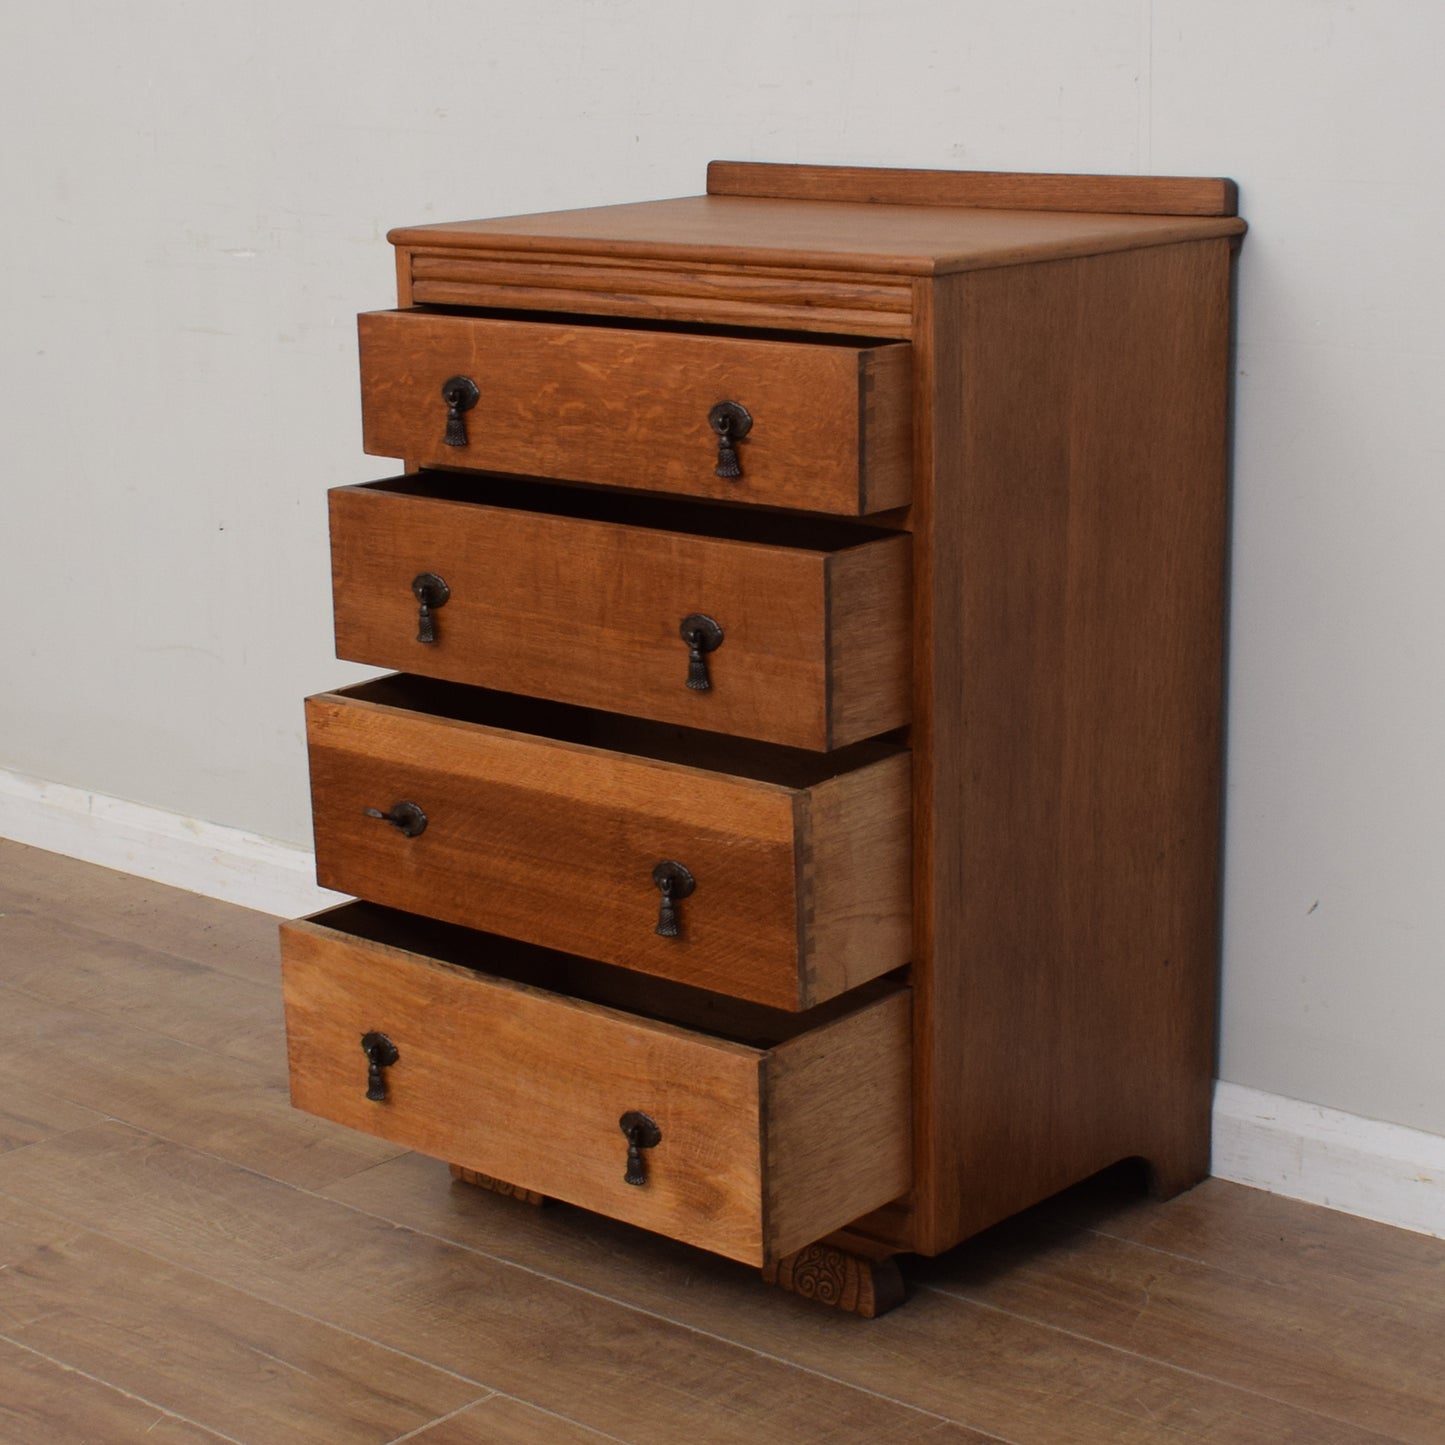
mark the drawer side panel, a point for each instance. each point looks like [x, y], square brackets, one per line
[869, 642]
[885, 376]
[858, 912]
[838, 1124]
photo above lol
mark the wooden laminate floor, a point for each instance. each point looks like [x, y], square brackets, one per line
[183, 1258]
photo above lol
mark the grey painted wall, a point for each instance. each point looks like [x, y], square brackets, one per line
[196, 197]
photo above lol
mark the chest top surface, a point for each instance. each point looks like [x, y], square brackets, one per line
[829, 222]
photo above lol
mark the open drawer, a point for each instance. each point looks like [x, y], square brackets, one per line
[788, 871]
[598, 598]
[822, 423]
[772, 1129]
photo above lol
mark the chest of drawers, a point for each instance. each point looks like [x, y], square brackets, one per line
[792, 824]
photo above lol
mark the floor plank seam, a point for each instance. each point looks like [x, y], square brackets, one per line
[231, 1163]
[1162, 1364]
[1264, 1281]
[543, 1410]
[140, 1028]
[99, 1119]
[162, 1410]
[442, 1419]
[905, 1405]
[1175, 1254]
[664, 1319]
[262, 1298]
[60, 919]
[1096, 1232]
[363, 1168]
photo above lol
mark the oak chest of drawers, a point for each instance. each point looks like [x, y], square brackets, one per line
[792, 823]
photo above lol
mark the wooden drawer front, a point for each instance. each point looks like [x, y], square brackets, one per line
[815, 650]
[762, 1150]
[801, 887]
[830, 422]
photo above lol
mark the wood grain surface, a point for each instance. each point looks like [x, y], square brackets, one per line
[816, 235]
[502, 1327]
[497, 1186]
[190, 1093]
[858, 874]
[1223, 1315]
[29, 1114]
[789, 299]
[1141, 195]
[50, 1403]
[801, 892]
[229, 1376]
[838, 1123]
[588, 611]
[1069, 567]
[141, 986]
[529, 1086]
[500, 1420]
[1068, 419]
[593, 403]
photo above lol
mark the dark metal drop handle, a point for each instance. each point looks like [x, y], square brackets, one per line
[702, 635]
[461, 394]
[697, 678]
[641, 1132]
[380, 1054]
[430, 592]
[406, 818]
[731, 421]
[675, 883]
[667, 913]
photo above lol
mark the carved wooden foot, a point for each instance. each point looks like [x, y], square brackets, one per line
[844, 1271]
[497, 1186]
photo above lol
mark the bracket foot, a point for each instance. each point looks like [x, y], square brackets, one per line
[497, 1186]
[843, 1271]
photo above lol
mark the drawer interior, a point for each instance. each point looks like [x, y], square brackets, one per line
[716, 1015]
[590, 727]
[663, 326]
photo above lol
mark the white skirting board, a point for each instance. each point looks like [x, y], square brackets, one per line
[1304, 1151]
[226, 863]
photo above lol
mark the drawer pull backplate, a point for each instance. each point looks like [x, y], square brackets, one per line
[461, 394]
[731, 421]
[702, 636]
